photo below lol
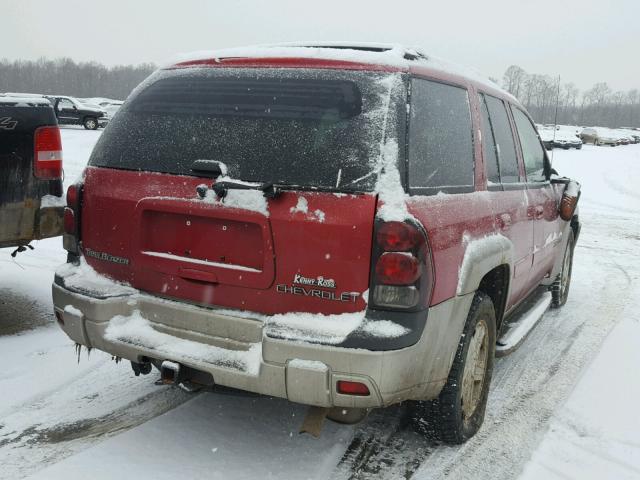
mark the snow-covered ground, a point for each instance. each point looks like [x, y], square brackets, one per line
[562, 406]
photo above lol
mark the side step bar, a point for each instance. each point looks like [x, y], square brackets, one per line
[517, 329]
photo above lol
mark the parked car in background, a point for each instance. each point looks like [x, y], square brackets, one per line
[272, 233]
[546, 136]
[570, 129]
[31, 196]
[565, 139]
[556, 138]
[101, 101]
[599, 136]
[633, 134]
[111, 109]
[71, 111]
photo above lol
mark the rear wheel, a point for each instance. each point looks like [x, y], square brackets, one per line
[560, 288]
[458, 412]
[90, 123]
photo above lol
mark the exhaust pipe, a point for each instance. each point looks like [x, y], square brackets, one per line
[170, 372]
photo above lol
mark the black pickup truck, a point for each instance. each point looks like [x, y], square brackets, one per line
[70, 111]
[31, 193]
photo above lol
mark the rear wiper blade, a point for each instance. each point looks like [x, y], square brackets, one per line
[213, 168]
[268, 189]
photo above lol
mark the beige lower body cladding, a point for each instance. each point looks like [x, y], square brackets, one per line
[302, 372]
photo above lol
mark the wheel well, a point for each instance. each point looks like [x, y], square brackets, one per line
[495, 284]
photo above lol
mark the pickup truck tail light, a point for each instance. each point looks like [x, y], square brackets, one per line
[47, 155]
[71, 236]
[401, 267]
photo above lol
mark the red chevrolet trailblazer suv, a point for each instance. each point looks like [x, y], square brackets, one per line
[344, 226]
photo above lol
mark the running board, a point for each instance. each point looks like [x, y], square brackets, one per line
[517, 330]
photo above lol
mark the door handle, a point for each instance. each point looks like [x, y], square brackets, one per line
[539, 212]
[198, 275]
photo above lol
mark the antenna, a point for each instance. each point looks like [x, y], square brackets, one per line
[555, 119]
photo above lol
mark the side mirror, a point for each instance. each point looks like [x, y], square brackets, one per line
[569, 200]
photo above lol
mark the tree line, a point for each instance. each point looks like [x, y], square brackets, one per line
[63, 76]
[598, 106]
[540, 94]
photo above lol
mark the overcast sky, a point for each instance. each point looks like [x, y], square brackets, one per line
[584, 41]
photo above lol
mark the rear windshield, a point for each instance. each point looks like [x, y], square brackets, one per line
[307, 127]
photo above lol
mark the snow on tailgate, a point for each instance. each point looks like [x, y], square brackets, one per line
[83, 277]
[245, 199]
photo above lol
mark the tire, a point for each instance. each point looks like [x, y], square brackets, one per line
[560, 287]
[454, 417]
[90, 123]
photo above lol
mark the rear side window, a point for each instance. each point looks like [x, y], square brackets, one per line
[440, 141]
[505, 146]
[489, 150]
[532, 151]
[300, 127]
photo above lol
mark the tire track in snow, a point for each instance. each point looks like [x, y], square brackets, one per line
[527, 387]
[78, 414]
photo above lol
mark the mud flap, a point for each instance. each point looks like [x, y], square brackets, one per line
[49, 222]
[314, 420]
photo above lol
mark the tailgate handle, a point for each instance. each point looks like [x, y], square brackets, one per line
[198, 275]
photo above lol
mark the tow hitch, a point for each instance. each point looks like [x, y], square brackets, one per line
[170, 373]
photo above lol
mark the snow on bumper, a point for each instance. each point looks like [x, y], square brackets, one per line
[234, 348]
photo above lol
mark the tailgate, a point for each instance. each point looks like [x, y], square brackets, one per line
[299, 252]
[20, 191]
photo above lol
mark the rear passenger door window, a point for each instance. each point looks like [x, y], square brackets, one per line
[440, 138]
[505, 146]
[532, 151]
[489, 147]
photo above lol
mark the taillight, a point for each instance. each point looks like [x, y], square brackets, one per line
[401, 276]
[397, 236]
[397, 268]
[47, 155]
[352, 388]
[71, 237]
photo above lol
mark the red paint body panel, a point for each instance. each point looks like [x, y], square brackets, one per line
[286, 62]
[447, 219]
[184, 248]
[126, 213]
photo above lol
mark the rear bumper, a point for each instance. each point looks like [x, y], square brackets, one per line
[233, 348]
[22, 222]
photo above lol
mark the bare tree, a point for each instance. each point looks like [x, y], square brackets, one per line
[63, 76]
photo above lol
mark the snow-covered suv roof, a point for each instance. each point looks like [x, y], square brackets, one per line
[385, 54]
